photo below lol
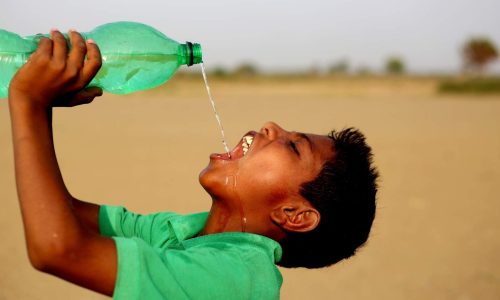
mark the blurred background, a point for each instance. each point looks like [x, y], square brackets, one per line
[420, 78]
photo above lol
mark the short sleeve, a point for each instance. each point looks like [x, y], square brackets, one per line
[145, 272]
[118, 221]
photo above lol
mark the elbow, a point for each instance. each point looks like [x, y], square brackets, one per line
[37, 261]
[51, 256]
[46, 257]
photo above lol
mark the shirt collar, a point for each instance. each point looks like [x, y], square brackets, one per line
[186, 227]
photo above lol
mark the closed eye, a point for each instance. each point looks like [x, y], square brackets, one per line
[294, 147]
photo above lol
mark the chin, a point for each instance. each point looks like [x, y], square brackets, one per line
[216, 183]
[204, 178]
[210, 182]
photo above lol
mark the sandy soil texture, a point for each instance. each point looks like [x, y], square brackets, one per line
[437, 231]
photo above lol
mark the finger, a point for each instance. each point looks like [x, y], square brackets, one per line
[92, 63]
[44, 49]
[82, 97]
[60, 50]
[85, 96]
[92, 91]
[78, 49]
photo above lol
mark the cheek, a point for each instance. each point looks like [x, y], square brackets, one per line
[278, 194]
[264, 182]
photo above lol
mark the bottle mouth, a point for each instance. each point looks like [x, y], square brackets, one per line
[194, 55]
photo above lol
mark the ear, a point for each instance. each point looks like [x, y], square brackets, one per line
[297, 216]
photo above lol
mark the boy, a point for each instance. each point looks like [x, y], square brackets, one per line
[299, 200]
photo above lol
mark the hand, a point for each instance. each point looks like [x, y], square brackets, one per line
[52, 77]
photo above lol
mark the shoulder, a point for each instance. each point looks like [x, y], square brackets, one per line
[246, 261]
[203, 272]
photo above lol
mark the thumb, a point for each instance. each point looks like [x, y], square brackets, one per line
[84, 96]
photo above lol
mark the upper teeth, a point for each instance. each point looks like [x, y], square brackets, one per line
[247, 141]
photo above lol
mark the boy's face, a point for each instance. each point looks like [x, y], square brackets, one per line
[273, 168]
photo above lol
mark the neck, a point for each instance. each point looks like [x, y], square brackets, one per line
[223, 218]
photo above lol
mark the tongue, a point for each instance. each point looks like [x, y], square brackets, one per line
[223, 156]
[235, 154]
[226, 156]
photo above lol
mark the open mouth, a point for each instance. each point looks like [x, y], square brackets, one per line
[240, 150]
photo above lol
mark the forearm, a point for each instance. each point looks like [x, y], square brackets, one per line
[49, 221]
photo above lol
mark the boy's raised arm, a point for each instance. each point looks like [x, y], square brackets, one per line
[57, 240]
[86, 212]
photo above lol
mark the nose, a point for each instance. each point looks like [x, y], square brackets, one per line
[272, 130]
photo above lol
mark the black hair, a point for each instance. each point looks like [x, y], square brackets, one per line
[344, 193]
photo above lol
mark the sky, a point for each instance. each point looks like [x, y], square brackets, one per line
[287, 35]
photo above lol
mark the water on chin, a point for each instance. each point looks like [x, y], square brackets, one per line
[231, 181]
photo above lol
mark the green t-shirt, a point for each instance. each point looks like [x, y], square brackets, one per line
[160, 257]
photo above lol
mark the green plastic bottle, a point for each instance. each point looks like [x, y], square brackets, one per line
[135, 56]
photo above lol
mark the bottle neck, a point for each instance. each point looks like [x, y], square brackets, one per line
[190, 54]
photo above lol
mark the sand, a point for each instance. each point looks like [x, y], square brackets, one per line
[437, 230]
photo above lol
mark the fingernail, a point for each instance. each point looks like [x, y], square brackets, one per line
[91, 41]
[71, 30]
[54, 30]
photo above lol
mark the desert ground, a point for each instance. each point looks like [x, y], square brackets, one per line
[437, 229]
